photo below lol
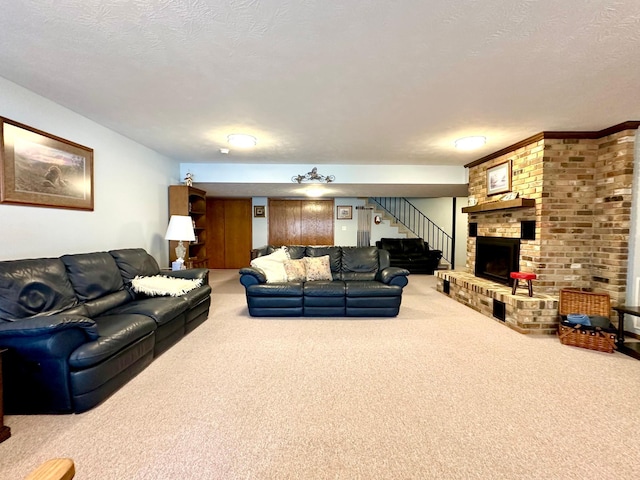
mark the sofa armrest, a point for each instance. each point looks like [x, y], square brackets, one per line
[191, 274]
[394, 276]
[48, 325]
[252, 276]
[435, 253]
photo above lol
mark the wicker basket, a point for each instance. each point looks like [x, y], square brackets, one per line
[589, 303]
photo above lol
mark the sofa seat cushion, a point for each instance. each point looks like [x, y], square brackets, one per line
[161, 309]
[288, 289]
[371, 289]
[116, 332]
[324, 288]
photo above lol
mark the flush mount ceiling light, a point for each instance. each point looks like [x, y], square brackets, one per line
[314, 192]
[242, 140]
[469, 143]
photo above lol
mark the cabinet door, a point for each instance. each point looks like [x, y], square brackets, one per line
[301, 222]
[317, 222]
[284, 222]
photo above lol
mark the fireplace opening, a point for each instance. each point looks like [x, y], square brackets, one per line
[496, 258]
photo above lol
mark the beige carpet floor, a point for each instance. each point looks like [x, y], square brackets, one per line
[438, 392]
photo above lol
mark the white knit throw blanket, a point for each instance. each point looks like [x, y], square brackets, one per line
[160, 285]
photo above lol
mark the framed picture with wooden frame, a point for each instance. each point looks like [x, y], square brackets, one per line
[499, 178]
[344, 212]
[42, 170]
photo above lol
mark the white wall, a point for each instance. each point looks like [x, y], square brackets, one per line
[440, 212]
[130, 189]
[345, 232]
[259, 226]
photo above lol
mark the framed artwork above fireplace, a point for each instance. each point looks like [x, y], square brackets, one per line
[499, 178]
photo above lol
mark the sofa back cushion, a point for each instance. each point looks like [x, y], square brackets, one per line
[296, 252]
[93, 275]
[391, 245]
[335, 258]
[133, 262]
[413, 245]
[34, 287]
[359, 263]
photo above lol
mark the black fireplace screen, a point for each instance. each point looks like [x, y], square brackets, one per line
[497, 257]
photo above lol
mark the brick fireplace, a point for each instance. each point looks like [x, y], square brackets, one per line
[572, 218]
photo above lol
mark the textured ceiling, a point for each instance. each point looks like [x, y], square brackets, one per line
[329, 82]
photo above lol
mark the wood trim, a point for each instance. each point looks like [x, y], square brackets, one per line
[500, 205]
[586, 135]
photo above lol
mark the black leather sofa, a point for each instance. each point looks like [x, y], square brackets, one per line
[76, 331]
[363, 285]
[411, 253]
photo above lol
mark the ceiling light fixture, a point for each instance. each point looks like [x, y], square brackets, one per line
[313, 176]
[469, 143]
[242, 140]
[314, 192]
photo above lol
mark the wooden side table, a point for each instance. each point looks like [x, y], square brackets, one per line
[633, 348]
[5, 432]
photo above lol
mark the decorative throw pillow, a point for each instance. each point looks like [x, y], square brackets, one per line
[318, 268]
[272, 265]
[162, 286]
[295, 270]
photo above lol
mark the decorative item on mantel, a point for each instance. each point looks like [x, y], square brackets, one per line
[509, 196]
[313, 176]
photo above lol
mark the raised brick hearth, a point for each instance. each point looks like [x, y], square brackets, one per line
[537, 314]
[578, 187]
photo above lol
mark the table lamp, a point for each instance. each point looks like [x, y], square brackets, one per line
[180, 229]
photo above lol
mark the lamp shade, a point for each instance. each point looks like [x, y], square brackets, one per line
[180, 228]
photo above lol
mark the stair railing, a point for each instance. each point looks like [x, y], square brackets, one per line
[405, 213]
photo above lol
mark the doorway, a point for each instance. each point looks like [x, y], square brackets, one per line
[229, 232]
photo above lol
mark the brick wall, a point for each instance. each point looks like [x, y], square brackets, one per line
[582, 186]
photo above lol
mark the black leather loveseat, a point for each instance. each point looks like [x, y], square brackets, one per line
[361, 283]
[76, 331]
[411, 253]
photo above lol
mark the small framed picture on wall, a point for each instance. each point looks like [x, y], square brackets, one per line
[344, 212]
[258, 211]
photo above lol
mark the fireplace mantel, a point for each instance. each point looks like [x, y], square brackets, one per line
[500, 205]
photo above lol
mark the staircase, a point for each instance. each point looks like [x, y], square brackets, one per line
[410, 221]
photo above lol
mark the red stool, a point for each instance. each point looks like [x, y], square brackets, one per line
[517, 276]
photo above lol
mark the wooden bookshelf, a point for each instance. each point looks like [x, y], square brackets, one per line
[191, 201]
